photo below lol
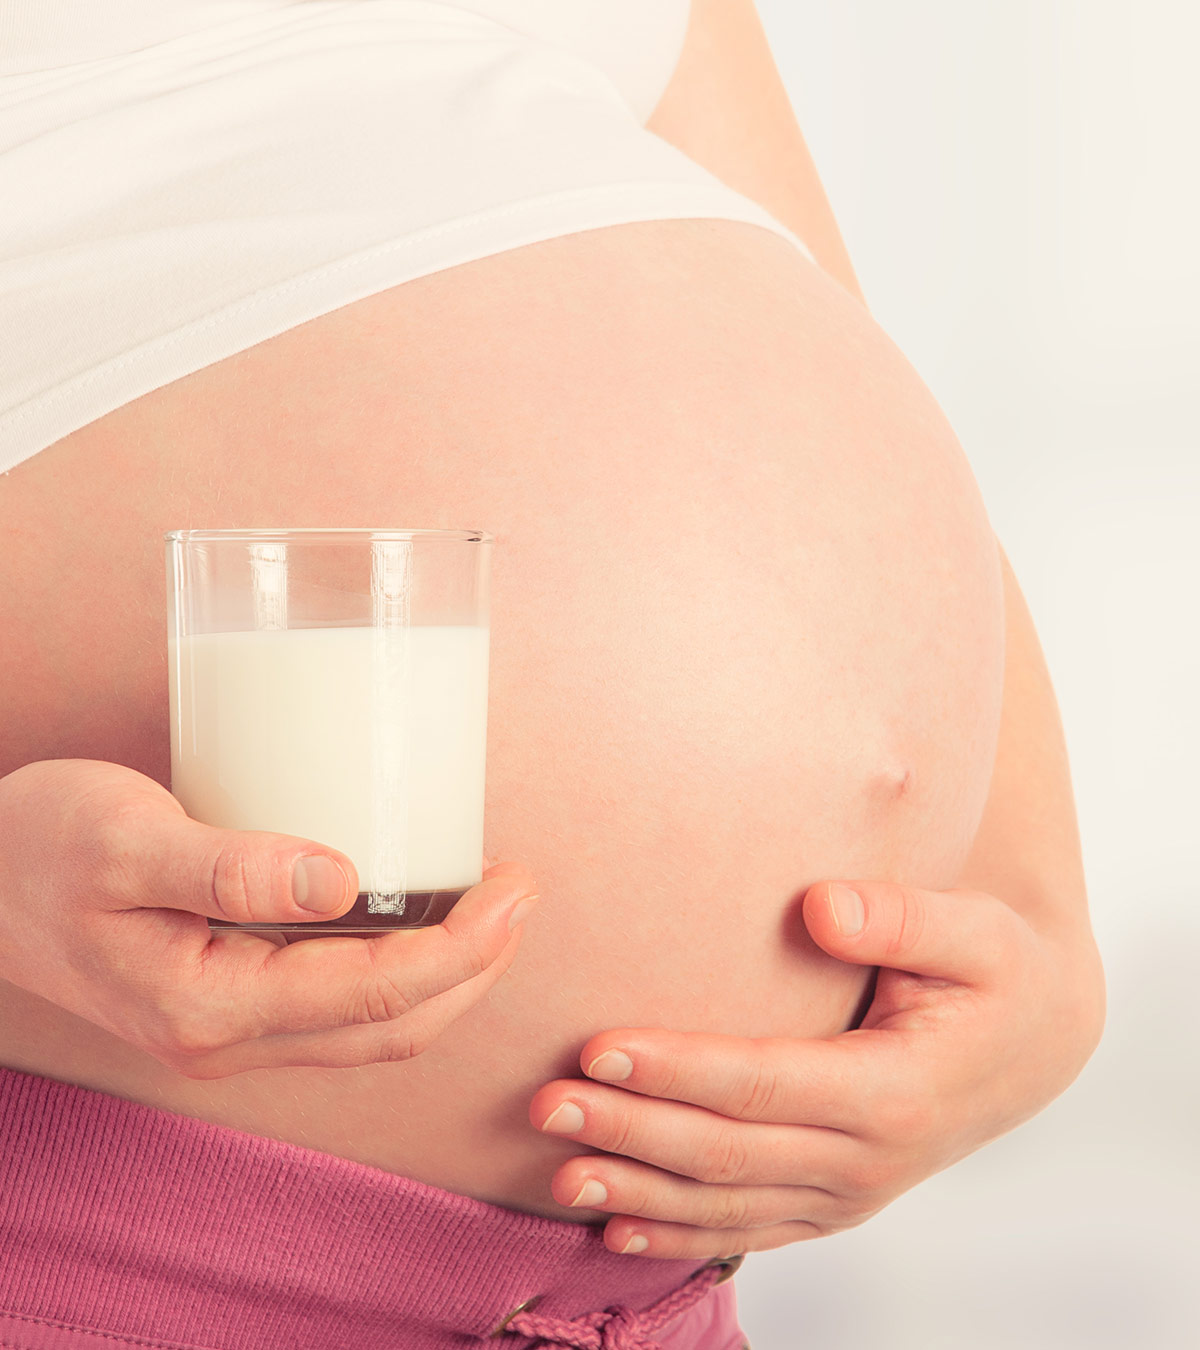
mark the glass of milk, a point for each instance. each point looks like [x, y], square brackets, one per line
[332, 684]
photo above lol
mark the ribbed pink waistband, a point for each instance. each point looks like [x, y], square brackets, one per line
[143, 1227]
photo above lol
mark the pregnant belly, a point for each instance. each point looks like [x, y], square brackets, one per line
[746, 634]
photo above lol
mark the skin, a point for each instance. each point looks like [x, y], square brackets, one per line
[752, 701]
[744, 368]
[985, 1011]
[972, 977]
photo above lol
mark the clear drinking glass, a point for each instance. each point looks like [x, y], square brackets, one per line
[332, 684]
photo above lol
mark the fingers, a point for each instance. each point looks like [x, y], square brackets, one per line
[241, 876]
[348, 1047]
[819, 1082]
[120, 882]
[242, 995]
[618, 1186]
[962, 936]
[657, 1214]
[349, 981]
[686, 1140]
[678, 1242]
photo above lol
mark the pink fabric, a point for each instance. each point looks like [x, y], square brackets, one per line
[124, 1225]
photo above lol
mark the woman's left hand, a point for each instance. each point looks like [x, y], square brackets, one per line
[714, 1145]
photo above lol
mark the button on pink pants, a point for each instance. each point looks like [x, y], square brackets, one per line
[124, 1225]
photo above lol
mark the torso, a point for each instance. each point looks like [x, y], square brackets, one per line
[736, 647]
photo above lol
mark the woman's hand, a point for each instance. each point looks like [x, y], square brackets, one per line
[106, 886]
[715, 1145]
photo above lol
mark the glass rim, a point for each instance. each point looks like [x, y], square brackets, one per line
[327, 533]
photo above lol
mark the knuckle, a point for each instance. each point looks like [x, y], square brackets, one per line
[189, 1041]
[112, 832]
[910, 924]
[733, 1209]
[113, 822]
[904, 1120]
[398, 1048]
[867, 1180]
[465, 951]
[620, 1133]
[756, 1097]
[237, 879]
[383, 1000]
[668, 1076]
[721, 1159]
[380, 997]
[188, 1034]
[185, 1056]
[475, 961]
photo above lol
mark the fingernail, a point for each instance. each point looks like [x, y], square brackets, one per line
[591, 1193]
[522, 909]
[318, 883]
[567, 1119]
[613, 1066]
[848, 911]
[636, 1243]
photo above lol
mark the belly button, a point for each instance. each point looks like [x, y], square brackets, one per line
[896, 782]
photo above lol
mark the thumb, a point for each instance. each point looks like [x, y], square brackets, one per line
[954, 935]
[244, 876]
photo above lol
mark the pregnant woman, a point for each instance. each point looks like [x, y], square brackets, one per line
[564, 272]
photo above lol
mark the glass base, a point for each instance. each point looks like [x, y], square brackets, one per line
[422, 909]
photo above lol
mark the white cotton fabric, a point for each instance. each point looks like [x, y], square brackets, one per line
[181, 179]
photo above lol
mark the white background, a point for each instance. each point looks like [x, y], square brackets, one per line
[1017, 184]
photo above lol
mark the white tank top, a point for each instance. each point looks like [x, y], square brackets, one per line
[635, 42]
[182, 179]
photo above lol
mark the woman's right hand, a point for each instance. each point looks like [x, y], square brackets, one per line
[106, 887]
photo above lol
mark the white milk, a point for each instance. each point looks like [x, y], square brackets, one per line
[372, 742]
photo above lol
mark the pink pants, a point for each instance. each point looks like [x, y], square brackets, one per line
[125, 1225]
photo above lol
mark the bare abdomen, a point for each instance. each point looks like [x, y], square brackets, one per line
[746, 634]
